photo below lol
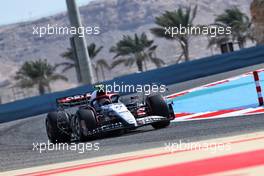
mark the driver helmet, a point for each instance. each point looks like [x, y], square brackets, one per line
[100, 101]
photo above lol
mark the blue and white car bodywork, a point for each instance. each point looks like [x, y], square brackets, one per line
[77, 118]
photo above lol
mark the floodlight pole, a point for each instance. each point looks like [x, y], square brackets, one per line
[84, 62]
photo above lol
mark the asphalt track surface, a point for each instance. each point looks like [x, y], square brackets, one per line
[17, 137]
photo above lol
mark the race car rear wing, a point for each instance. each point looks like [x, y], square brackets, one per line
[74, 100]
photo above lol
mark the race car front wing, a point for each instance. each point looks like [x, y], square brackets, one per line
[117, 126]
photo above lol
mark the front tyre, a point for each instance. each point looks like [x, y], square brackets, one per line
[157, 106]
[55, 135]
[84, 121]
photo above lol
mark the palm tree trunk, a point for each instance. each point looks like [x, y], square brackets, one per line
[241, 43]
[49, 88]
[41, 89]
[145, 65]
[139, 65]
[96, 74]
[185, 48]
[186, 53]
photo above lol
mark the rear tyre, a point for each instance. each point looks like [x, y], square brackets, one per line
[55, 135]
[85, 120]
[157, 106]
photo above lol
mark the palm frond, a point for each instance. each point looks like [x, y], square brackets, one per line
[137, 49]
[68, 54]
[238, 21]
[118, 62]
[68, 67]
[65, 64]
[56, 77]
[93, 50]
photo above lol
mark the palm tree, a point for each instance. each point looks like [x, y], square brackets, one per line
[180, 18]
[39, 73]
[239, 22]
[70, 63]
[219, 39]
[93, 51]
[99, 64]
[137, 50]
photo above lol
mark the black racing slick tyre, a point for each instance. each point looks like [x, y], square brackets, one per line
[85, 121]
[157, 106]
[55, 135]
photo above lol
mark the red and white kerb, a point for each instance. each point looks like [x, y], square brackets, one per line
[258, 88]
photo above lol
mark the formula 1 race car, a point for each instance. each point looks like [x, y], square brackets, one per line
[85, 117]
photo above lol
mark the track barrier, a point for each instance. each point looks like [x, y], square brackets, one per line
[167, 75]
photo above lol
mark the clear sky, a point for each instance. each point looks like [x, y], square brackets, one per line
[12, 11]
